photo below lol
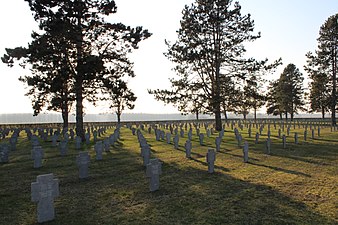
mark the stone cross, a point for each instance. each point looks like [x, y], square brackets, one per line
[211, 157]
[4, 150]
[37, 155]
[176, 139]
[246, 152]
[268, 146]
[82, 161]
[43, 191]
[190, 134]
[256, 138]
[218, 141]
[145, 153]
[182, 133]
[188, 147]
[98, 149]
[208, 133]
[78, 142]
[296, 138]
[63, 148]
[201, 138]
[153, 171]
[168, 136]
[249, 132]
[284, 141]
[87, 137]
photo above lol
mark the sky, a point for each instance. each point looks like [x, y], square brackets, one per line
[289, 29]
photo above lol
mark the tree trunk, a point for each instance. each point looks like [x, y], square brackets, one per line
[79, 81]
[286, 116]
[118, 117]
[280, 116]
[64, 112]
[197, 115]
[255, 114]
[334, 77]
[323, 112]
[225, 116]
[244, 115]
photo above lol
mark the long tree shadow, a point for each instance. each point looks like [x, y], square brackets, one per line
[281, 169]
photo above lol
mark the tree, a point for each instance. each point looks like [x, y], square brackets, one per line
[324, 63]
[116, 91]
[49, 84]
[273, 105]
[186, 96]
[320, 87]
[286, 94]
[91, 42]
[210, 43]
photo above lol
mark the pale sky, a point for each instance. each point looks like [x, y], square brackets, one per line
[289, 29]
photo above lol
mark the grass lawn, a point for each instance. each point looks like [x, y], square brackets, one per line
[294, 185]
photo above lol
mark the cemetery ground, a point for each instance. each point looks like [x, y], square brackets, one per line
[293, 185]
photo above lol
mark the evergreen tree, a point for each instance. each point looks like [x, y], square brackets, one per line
[324, 63]
[286, 94]
[320, 86]
[210, 43]
[90, 42]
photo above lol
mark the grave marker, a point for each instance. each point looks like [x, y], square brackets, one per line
[43, 191]
[153, 171]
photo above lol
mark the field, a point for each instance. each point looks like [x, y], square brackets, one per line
[293, 185]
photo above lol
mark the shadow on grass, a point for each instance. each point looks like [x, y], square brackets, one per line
[281, 169]
[117, 192]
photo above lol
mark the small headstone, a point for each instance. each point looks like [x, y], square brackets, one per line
[246, 152]
[201, 138]
[168, 137]
[296, 138]
[188, 147]
[153, 171]
[37, 155]
[78, 142]
[4, 151]
[82, 161]
[218, 141]
[268, 146]
[176, 140]
[256, 138]
[87, 137]
[284, 141]
[43, 191]
[211, 157]
[63, 148]
[190, 134]
[98, 149]
[305, 135]
[145, 153]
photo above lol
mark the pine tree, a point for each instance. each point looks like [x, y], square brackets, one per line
[324, 63]
[210, 43]
[91, 43]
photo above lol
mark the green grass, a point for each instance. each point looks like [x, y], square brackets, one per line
[296, 185]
